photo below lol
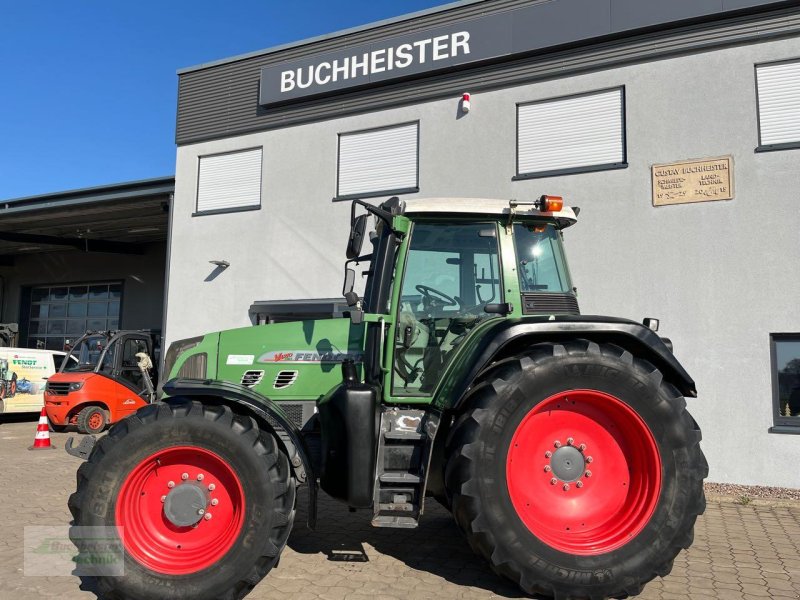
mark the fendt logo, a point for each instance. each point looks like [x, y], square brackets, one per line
[306, 356]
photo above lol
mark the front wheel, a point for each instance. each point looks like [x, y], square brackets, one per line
[202, 500]
[576, 471]
[91, 419]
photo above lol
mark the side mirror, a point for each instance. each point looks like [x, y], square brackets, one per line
[357, 230]
[347, 288]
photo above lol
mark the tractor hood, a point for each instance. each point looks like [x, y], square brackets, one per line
[293, 359]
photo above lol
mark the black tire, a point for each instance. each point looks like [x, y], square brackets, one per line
[479, 444]
[92, 419]
[266, 479]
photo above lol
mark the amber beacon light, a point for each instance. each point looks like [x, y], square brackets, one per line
[551, 203]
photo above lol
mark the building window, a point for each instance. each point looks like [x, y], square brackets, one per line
[379, 162]
[573, 134]
[229, 182]
[778, 99]
[785, 350]
[59, 315]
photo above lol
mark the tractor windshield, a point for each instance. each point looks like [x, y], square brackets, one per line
[87, 354]
[542, 267]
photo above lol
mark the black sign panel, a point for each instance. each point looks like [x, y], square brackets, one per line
[384, 60]
[490, 37]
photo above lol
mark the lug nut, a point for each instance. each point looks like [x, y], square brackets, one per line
[185, 476]
[207, 517]
[553, 481]
[588, 473]
[211, 487]
[163, 498]
[589, 459]
[214, 502]
[547, 468]
[548, 454]
[578, 484]
[201, 512]
[569, 441]
[582, 447]
[200, 477]
[566, 487]
[171, 484]
[557, 444]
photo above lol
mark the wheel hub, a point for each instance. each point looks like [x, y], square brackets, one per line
[568, 464]
[186, 504]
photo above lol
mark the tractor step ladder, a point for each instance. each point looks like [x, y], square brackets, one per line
[404, 450]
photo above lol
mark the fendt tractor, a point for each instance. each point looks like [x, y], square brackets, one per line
[559, 442]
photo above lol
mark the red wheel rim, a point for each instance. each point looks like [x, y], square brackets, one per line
[156, 542]
[96, 421]
[583, 472]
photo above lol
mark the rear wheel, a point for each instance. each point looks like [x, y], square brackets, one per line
[576, 471]
[92, 419]
[203, 498]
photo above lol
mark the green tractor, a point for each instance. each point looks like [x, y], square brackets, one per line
[464, 372]
[8, 382]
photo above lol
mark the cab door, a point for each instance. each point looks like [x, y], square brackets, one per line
[451, 274]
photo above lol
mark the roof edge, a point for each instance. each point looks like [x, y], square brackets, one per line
[155, 182]
[328, 36]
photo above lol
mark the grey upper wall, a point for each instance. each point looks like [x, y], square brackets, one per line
[221, 99]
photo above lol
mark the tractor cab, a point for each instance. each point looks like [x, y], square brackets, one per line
[107, 376]
[463, 262]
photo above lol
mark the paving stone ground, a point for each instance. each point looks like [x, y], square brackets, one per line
[741, 552]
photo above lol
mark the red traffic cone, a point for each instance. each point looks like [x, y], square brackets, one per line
[42, 439]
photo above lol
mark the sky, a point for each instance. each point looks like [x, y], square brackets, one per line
[88, 88]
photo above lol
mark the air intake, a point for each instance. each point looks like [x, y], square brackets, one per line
[252, 378]
[284, 379]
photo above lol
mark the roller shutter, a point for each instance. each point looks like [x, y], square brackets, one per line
[573, 133]
[779, 103]
[229, 181]
[379, 161]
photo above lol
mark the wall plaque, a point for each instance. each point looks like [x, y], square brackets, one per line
[700, 180]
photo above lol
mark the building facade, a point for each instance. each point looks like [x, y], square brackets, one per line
[673, 126]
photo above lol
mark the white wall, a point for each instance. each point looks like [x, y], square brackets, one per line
[721, 275]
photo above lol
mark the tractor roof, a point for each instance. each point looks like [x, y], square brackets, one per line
[486, 206]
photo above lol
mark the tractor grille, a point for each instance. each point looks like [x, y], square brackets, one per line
[294, 410]
[284, 379]
[549, 304]
[252, 378]
[194, 367]
[58, 388]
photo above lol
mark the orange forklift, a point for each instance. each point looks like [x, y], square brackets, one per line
[111, 376]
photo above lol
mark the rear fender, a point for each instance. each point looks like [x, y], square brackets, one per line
[510, 336]
[243, 400]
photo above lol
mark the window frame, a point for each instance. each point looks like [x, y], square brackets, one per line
[26, 303]
[378, 193]
[770, 147]
[780, 424]
[221, 211]
[576, 170]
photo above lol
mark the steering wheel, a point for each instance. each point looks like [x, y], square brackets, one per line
[435, 295]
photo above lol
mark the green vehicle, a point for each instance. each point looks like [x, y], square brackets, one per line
[560, 442]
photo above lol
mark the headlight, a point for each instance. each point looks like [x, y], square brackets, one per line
[75, 386]
[176, 349]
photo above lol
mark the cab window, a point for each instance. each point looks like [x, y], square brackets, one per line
[542, 267]
[451, 274]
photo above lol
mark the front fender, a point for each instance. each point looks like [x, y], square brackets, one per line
[266, 412]
[506, 336]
